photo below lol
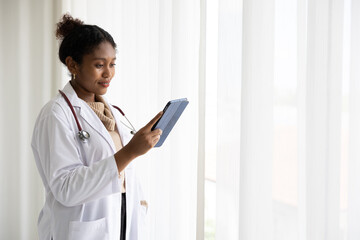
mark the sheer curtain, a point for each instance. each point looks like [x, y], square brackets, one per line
[28, 79]
[157, 60]
[288, 132]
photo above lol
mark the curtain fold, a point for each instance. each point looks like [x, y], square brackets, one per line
[257, 120]
[323, 119]
[228, 119]
[353, 210]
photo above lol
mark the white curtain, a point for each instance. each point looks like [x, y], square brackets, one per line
[157, 60]
[28, 78]
[354, 126]
[288, 122]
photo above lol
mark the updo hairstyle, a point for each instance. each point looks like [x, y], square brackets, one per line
[78, 39]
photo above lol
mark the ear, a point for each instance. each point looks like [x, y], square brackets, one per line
[72, 65]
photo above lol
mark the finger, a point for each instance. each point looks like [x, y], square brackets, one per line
[156, 132]
[153, 121]
[155, 140]
[155, 137]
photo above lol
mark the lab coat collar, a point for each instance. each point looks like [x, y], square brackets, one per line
[88, 114]
[72, 96]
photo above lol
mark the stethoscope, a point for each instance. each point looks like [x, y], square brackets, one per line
[84, 135]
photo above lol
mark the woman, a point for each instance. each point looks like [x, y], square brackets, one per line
[92, 191]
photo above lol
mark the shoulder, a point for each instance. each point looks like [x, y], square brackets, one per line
[52, 116]
[55, 108]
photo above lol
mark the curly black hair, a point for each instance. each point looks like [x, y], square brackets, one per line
[79, 39]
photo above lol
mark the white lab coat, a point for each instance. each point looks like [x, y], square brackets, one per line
[83, 199]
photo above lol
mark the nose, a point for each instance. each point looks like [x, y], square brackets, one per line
[107, 73]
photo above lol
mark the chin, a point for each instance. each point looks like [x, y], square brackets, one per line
[101, 92]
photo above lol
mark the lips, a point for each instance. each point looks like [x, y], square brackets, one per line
[105, 84]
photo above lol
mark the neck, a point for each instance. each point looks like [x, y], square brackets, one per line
[82, 93]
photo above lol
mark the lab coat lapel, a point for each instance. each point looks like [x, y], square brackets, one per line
[88, 115]
[93, 120]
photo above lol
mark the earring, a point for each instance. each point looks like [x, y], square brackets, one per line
[74, 75]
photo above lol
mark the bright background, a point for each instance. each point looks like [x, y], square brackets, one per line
[268, 147]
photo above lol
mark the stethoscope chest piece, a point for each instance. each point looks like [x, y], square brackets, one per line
[83, 135]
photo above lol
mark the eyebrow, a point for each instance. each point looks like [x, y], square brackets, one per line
[103, 59]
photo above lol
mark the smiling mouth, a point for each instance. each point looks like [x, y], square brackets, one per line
[105, 84]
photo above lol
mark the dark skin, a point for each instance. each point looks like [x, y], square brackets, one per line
[94, 74]
[93, 77]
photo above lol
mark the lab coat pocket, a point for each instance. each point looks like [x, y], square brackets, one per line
[93, 230]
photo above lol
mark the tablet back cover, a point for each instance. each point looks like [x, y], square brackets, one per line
[172, 113]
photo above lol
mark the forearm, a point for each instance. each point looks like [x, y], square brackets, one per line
[82, 184]
[123, 157]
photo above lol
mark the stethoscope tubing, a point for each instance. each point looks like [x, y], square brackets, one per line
[83, 135]
[133, 131]
[72, 109]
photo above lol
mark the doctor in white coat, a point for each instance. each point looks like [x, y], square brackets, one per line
[92, 191]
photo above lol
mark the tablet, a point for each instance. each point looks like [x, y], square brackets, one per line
[171, 114]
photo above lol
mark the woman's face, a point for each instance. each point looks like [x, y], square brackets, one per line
[94, 74]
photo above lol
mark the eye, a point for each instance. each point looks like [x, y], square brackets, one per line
[99, 65]
[112, 65]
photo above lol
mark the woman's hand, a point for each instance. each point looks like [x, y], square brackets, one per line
[141, 143]
[145, 139]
